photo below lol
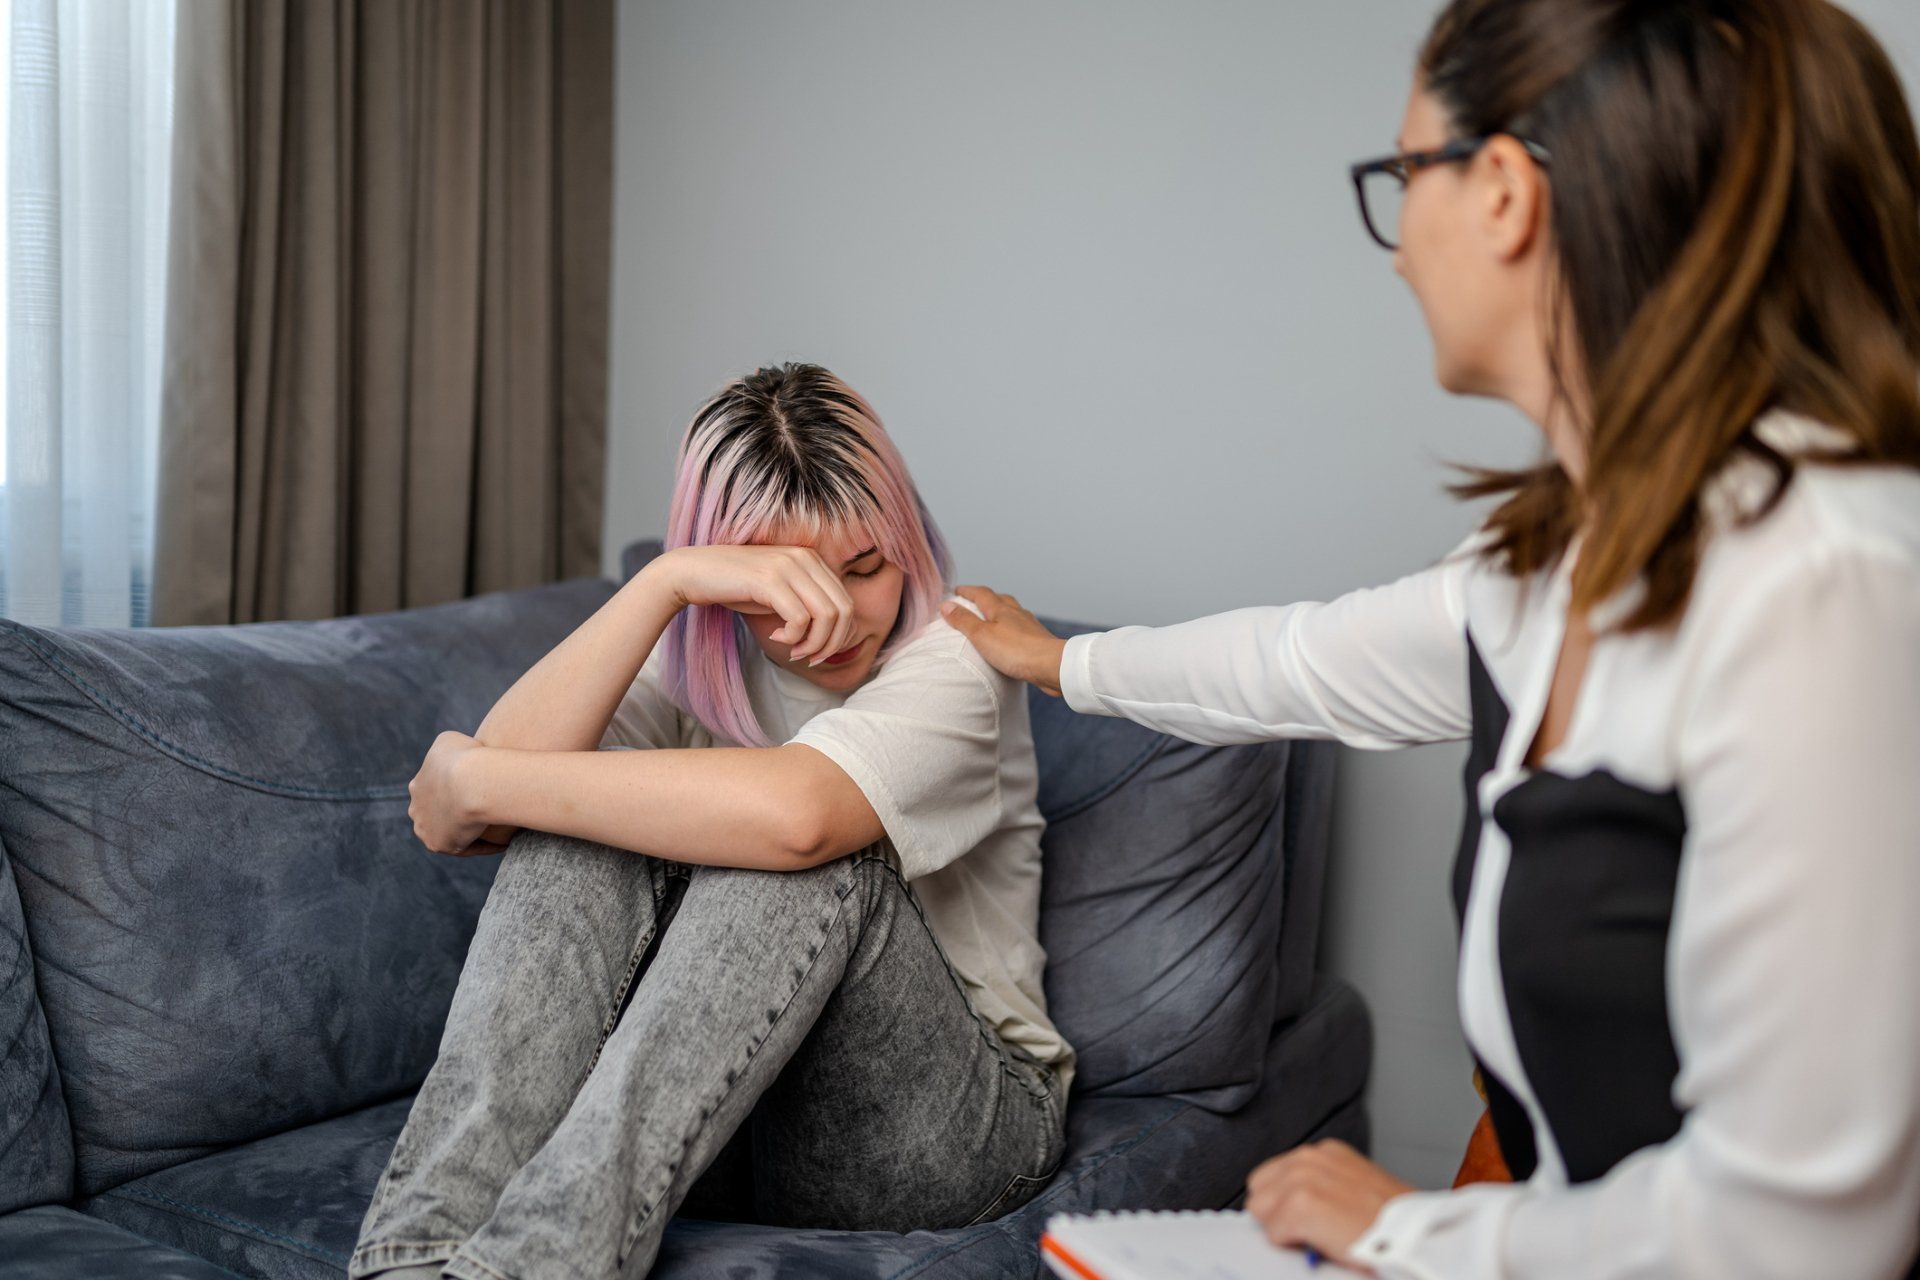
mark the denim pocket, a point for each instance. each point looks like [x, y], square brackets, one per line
[1022, 1187]
[1019, 1190]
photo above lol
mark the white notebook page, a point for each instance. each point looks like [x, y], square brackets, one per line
[1191, 1245]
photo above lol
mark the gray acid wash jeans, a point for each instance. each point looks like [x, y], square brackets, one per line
[794, 1049]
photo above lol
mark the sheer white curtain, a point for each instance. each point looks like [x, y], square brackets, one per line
[88, 127]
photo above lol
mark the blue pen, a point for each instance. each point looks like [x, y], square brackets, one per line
[1313, 1256]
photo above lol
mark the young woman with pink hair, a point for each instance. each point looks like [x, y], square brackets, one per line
[763, 941]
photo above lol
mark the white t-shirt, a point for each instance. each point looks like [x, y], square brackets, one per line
[939, 743]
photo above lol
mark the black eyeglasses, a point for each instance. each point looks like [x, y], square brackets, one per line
[1381, 185]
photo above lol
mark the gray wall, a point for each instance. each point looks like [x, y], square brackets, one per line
[1098, 267]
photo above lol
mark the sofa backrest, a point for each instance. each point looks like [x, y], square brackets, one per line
[234, 929]
[1180, 899]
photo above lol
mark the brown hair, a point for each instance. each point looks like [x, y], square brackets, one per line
[1735, 211]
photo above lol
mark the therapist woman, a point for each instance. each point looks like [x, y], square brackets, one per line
[1683, 236]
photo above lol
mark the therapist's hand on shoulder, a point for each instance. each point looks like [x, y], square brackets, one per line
[1009, 637]
[1323, 1196]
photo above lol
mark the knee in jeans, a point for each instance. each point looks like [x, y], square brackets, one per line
[546, 864]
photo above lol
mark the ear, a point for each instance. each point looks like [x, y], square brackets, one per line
[1513, 195]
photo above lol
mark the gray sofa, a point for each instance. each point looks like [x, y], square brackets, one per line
[226, 961]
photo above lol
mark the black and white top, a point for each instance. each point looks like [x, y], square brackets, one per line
[1690, 941]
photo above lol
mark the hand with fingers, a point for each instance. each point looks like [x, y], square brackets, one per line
[1009, 637]
[1322, 1196]
[817, 614]
[441, 806]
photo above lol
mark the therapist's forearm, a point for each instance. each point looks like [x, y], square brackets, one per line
[565, 701]
[722, 806]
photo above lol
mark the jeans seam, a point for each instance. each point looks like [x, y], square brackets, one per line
[397, 1169]
[1048, 1162]
[633, 965]
[382, 1249]
[645, 1211]
[1001, 1049]
[467, 1259]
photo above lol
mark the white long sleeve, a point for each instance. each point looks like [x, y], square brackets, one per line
[1794, 950]
[1377, 667]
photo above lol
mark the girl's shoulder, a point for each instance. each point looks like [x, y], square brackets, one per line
[938, 651]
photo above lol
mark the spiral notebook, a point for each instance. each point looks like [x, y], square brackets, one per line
[1205, 1244]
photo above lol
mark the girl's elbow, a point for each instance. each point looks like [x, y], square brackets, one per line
[812, 835]
[802, 837]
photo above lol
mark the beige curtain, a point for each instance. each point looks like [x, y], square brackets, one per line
[385, 373]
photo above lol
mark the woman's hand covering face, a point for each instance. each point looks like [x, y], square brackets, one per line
[818, 616]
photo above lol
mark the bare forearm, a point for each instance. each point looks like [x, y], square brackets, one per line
[565, 701]
[778, 808]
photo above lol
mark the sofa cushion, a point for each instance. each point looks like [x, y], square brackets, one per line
[36, 1145]
[234, 928]
[1161, 902]
[290, 1206]
[286, 1205]
[56, 1243]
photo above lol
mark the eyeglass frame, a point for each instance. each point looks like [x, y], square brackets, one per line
[1406, 164]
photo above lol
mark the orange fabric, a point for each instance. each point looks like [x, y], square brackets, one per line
[1483, 1161]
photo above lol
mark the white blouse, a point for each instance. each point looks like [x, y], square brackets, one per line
[1689, 942]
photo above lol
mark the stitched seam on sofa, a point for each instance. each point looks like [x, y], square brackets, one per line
[162, 1244]
[48, 1082]
[55, 1076]
[20, 1030]
[251, 1229]
[388, 791]
[1051, 1193]
[1105, 789]
[34, 1012]
[158, 1244]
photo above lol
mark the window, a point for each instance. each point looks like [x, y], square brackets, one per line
[86, 149]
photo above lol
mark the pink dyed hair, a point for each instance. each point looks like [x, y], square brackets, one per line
[785, 449]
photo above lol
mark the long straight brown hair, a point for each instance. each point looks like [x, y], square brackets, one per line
[1735, 213]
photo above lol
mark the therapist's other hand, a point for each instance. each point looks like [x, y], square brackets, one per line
[1009, 637]
[1323, 1196]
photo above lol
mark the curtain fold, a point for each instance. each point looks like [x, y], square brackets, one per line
[385, 374]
